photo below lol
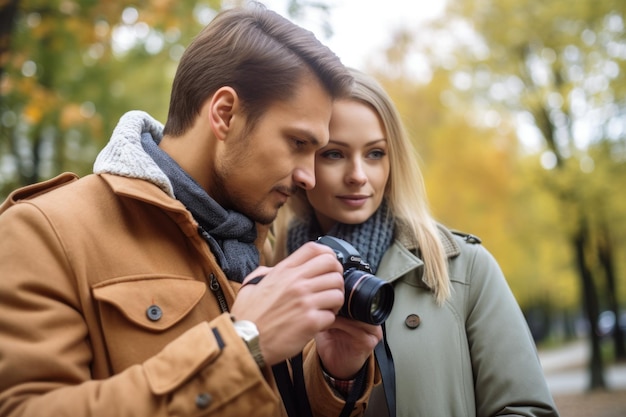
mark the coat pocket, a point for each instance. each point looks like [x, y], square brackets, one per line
[139, 315]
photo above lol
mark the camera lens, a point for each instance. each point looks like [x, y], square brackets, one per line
[375, 303]
[367, 298]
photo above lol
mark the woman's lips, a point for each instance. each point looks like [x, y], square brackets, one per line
[353, 200]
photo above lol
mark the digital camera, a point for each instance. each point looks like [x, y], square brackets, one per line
[367, 298]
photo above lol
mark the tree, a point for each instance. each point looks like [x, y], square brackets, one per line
[70, 69]
[559, 69]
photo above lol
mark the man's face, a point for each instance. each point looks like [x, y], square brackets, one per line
[258, 171]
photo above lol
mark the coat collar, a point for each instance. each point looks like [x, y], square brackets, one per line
[398, 261]
[402, 257]
[450, 246]
[151, 193]
[143, 190]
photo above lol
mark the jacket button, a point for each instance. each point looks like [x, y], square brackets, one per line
[154, 312]
[412, 321]
[203, 400]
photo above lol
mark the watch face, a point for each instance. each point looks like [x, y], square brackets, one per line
[246, 329]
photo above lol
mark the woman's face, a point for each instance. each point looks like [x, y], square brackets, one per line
[351, 172]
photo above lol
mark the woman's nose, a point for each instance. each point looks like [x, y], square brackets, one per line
[356, 173]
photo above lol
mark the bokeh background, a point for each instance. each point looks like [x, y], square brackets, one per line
[517, 108]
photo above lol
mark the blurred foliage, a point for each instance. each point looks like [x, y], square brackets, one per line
[73, 67]
[481, 182]
[521, 124]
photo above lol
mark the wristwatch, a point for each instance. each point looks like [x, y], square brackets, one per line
[248, 331]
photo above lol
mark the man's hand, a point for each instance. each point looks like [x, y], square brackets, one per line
[295, 300]
[346, 345]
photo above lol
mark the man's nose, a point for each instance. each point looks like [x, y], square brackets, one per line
[304, 177]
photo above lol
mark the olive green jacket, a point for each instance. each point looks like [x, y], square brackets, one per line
[473, 356]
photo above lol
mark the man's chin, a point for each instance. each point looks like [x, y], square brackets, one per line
[265, 218]
[266, 214]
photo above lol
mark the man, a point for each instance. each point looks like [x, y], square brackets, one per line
[120, 293]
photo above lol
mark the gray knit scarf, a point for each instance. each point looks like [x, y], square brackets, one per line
[371, 238]
[230, 234]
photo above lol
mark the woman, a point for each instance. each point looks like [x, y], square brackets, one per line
[456, 334]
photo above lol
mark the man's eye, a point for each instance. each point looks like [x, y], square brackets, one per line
[299, 143]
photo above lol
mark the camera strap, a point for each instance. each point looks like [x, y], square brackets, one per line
[293, 392]
[355, 393]
[387, 372]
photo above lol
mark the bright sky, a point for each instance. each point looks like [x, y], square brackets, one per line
[362, 28]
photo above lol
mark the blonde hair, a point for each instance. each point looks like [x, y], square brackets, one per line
[405, 191]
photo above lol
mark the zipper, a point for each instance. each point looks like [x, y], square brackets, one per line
[217, 290]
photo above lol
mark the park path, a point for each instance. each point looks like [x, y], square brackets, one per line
[567, 377]
[566, 369]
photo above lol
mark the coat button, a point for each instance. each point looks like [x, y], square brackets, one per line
[203, 400]
[154, 312]
[412, 321]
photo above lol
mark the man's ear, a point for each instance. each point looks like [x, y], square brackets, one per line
[222, 107]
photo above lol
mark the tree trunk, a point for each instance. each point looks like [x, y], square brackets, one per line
[8, 10]
[590, 301]
[605, 255]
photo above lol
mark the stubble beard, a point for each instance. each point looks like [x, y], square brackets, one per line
[230, 200]
[254, 210]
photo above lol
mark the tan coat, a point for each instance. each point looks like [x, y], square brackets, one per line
[106, 309]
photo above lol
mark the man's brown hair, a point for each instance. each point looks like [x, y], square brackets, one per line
[260, 54]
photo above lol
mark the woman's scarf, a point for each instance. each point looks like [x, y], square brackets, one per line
[371, 238]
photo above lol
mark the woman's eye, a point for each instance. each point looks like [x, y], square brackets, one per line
[331, 154]
[377, 154]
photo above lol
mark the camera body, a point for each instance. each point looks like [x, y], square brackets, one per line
[367, 298]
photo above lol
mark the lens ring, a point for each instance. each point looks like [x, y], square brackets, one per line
[368, 298]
